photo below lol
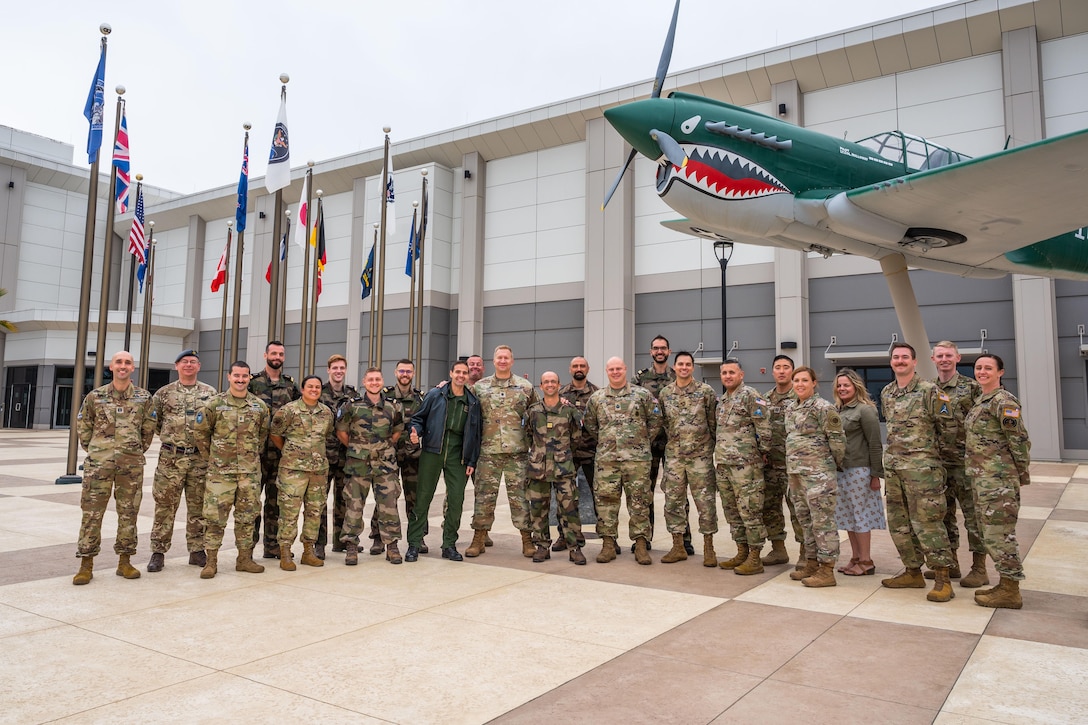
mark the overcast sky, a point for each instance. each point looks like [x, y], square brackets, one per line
[196, 70]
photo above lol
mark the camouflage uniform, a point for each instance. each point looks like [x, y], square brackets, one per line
[303, 469]
[584, 451]
[338, 457]
[275, 395]
[181, 466]
[232, 433]
[690, 423]
[913, 473]
[743, 437]
[115, 428]
[655, 382]
[963, 391]
[998, 456]
[504, 449]
[372, 462]
[554, 433]
[815, 446]
[625, 423]
[407, 453]
[775, 478]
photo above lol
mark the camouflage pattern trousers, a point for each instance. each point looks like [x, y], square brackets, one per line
[490, 470]
[386, 495]
[334, 483]
[814, 496]
[916, 508]
[178, 473]
[126, 482]
[566, 500]
[696, 473]
[775, 484]
[631, 478]
[297, 490]
[741, 489]
[222, 491]
[270, 473]
[997, 501]
[409, 483]
[958, 489]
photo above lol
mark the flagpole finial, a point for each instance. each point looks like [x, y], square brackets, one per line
[120, 90]
[139, 177]
[284, 78]
[105, 29]
[288, 213]
[386, 129]
[247, 125]
[319, 193]
[230, 224]
[310, 163]
[423, 172]
[415, 204]
[151, 224]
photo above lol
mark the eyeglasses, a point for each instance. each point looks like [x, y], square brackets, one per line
[403, 371]
[659, 347]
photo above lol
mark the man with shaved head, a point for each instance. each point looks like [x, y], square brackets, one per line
[625, 419]
[116, 424]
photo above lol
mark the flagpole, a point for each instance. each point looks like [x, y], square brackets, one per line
[380, 287]
[240, 218]
[145, 333]
[318, 234]
[303, 331]
[274, 277]
[107, 254]
[223, 317]
[420, 238]
[373, 294]
[79, 372]
[132, 279]
[412, 246]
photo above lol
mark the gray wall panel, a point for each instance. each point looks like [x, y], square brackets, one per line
[543, 335]
[1071, 307]
[208, 347]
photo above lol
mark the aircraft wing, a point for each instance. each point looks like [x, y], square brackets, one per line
[1000, 202]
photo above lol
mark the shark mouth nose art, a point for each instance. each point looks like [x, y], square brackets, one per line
[721, 174]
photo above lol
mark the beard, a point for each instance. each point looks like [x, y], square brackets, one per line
[275, 364]
[578, 375]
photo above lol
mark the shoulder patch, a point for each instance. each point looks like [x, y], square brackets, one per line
[1010, 412]
[200, 417]
[943, 397]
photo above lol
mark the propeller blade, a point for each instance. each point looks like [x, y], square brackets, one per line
[666, 54]
[672, 150]
[619, 178]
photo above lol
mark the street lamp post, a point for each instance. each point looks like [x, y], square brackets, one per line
[723, 250]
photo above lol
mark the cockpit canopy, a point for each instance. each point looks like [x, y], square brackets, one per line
[916, 152]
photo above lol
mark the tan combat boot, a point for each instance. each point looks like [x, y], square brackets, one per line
[477, 546]
[676, 553]
[752, 565]
[740, 558]
[710, 558]
[287, 558]
[86, 571]
[309, 556]
[909, 579]
[777, 554]
[608, 550]
[245, 562]
[211, 566]
[810, 568]
[802, 559]
[1006, 595]
[942, 587]
[125, 569]
[823, 577]
[642, 553]
[977, 577]
[528, 548]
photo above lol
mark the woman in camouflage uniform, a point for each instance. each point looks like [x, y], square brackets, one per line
[998, 456]
[815, 446]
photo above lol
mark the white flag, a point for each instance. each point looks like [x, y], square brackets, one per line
[278, 174]
[301, 231]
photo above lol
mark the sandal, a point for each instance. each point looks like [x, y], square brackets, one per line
[862, 568]
[853, 562]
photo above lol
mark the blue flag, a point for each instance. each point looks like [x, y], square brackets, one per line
[95, 109]
[367, 277]
[243, 190]
[413, 251]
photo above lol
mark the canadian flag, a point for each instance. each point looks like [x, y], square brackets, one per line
[221, 270]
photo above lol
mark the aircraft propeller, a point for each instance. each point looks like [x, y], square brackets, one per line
[659, 81]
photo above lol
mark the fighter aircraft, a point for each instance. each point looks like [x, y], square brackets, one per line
[738, 175]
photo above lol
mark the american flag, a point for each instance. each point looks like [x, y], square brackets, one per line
[137, 244]
[121, 165]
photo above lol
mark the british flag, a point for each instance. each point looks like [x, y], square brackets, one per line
[121, 165]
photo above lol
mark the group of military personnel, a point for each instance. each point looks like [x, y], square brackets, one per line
[265, 435]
